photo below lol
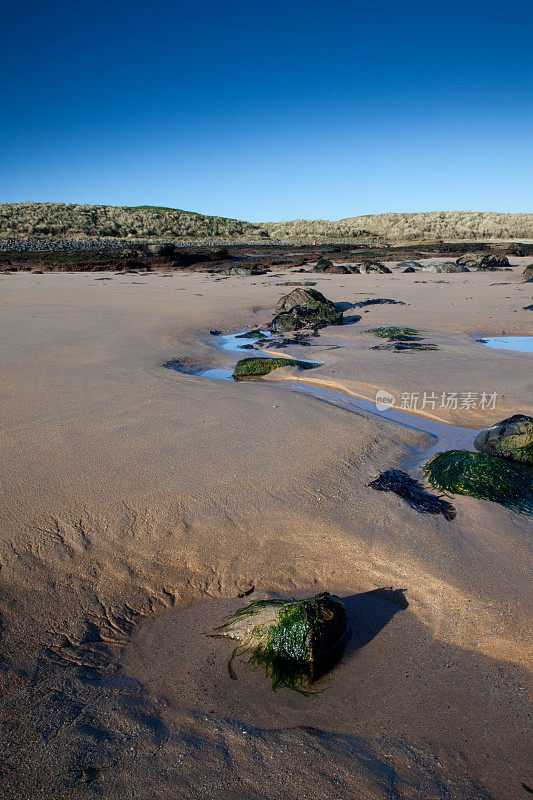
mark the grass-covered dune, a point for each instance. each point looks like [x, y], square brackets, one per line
[428, 225]
[70, 221]
[62, 221]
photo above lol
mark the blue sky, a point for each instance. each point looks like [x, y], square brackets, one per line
[269, 111]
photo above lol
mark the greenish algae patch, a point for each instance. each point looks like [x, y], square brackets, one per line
[255, 367]
[481, 476]
[396, 334]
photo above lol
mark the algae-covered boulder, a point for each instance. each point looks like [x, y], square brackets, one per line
[256, 367]
[322, 264]
[528, 273]
[305, 308]
[294, 641]
[483, 262]
[445, 266]
[511, 439]
[481, 476]
[369, 267]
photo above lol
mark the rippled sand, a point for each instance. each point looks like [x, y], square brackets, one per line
[136, 503]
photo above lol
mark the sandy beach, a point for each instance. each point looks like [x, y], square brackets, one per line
[138, 502]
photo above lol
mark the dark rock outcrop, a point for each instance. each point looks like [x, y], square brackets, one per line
[484, 262]
[528, 273]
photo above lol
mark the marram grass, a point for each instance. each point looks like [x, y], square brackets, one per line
[481, 476]
[290, 640]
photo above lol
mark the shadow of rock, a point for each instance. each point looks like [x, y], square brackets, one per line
[369, 612]
[344, 306]
[351, 319]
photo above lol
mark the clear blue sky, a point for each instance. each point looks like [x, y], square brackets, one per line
[269, 111]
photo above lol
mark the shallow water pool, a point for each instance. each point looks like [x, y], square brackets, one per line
[520, 344]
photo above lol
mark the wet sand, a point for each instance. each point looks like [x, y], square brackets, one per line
[130, 492]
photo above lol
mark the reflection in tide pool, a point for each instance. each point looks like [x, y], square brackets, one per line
[520, 344]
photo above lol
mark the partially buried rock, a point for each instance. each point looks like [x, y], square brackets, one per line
[445, 266]
[295, 641]
[369, 267]
[409, 266]
[528, 273]
[484, 262]
[304, 308]
[256, 367]
[511, 439]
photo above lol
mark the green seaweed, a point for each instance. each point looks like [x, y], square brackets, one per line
[481, 476]
[255, 367]
[393, 333]
[286, 646]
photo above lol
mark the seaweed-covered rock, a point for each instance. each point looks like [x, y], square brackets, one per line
[255, 366]
[483, 262]
[305, 308]
[511, 439]
[369, 267]
[528, 273]
[445, 266]
[481, 476]
[294, 640]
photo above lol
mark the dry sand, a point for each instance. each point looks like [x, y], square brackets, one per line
[137, 502]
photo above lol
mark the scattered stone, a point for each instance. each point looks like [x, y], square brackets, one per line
[256, 367]
[409, 266]
[406, 487]
[528, 273]
[321, 265]
[483, 262]
[369, 267]
[511, 438]
[445, 266]
[295, 641]
[215, 333]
